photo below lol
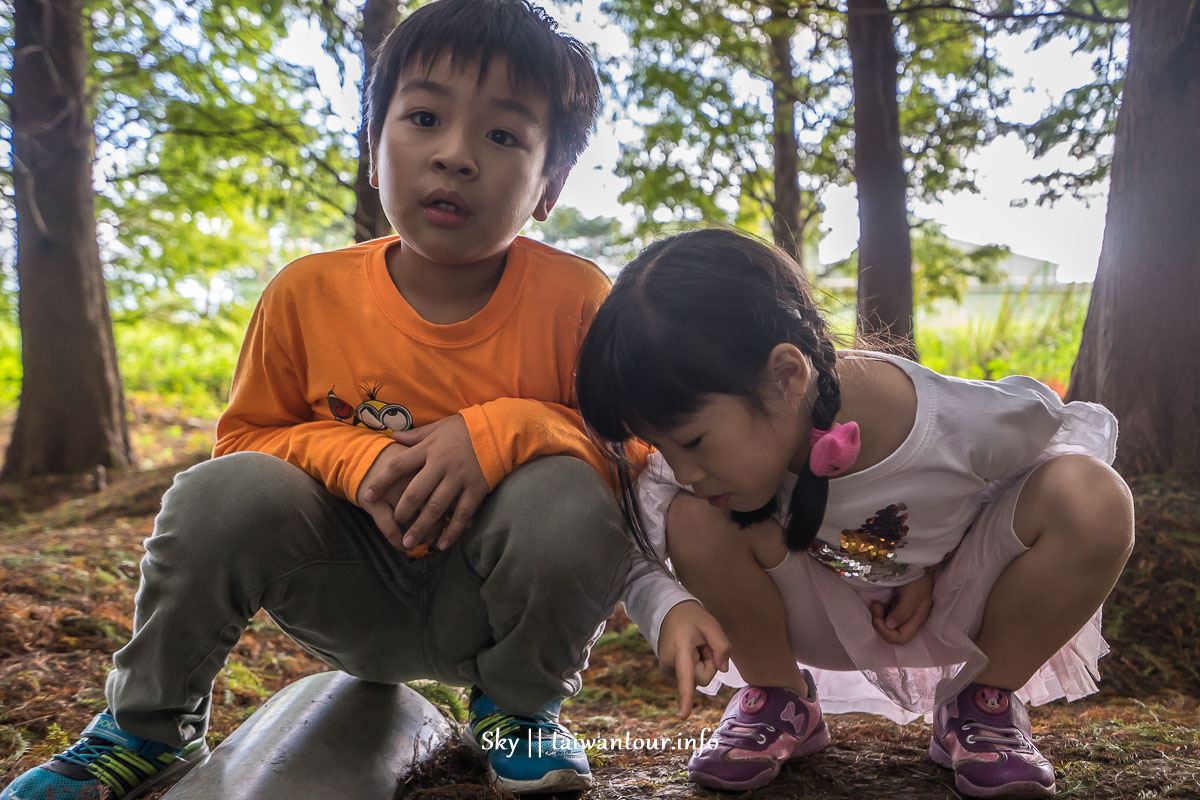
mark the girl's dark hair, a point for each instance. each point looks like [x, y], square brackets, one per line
[694, 315]
[540, 59]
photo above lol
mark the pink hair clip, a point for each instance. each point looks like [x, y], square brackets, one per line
[833, 450]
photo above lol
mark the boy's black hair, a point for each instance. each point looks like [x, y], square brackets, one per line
[539, 58]
[697, 315]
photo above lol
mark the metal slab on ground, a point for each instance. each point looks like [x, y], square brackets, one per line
[325, 737]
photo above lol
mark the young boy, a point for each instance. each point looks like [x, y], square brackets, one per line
[402, 480]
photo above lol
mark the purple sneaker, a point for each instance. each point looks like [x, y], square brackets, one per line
[983, 734]
[761, 729]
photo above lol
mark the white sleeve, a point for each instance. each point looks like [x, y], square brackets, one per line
[649, 592]
[1016, 423]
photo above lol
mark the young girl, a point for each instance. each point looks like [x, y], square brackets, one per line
[850, 521]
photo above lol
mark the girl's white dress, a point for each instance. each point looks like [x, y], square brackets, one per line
[947, 494]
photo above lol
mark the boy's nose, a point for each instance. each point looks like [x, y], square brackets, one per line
[455, 157]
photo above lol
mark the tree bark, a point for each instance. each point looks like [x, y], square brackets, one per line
[1138, 354]
[72, 412]
[378, 19]
[885, 291]
[785, 218]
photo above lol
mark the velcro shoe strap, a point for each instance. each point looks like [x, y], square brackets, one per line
[104, 726]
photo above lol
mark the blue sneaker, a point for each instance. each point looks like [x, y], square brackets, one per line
[105, 763]
[527, 754]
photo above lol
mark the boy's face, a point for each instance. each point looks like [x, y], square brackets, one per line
[460, 162]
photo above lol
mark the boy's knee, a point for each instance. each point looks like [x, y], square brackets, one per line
[241, 497]
[559, 511]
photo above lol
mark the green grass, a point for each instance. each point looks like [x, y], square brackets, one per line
[1028, 334]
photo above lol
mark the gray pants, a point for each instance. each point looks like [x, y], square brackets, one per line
[513, 607]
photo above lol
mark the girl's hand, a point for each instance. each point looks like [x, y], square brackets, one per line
[692, 647]
[898, 622]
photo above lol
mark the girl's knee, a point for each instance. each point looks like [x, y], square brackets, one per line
[1083, 502]
[700, 536]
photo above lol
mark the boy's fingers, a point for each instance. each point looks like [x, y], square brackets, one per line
[412, 436]
[381, 513]
[432, 516]
[383, 476]
[415, 496]
[464, 512]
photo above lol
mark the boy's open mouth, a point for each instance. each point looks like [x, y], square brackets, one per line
[443, 201]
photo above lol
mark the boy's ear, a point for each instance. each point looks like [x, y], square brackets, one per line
[788, 369]
[554, 187]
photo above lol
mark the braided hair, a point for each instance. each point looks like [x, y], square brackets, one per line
[696, 315]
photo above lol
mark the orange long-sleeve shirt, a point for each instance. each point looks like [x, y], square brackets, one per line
[335, 360]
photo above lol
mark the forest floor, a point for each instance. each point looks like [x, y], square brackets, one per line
[69, 551]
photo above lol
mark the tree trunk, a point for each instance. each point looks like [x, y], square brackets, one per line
[785, 218]
[72, 412]
[378, 19]
[885, 292]
[1138, 354]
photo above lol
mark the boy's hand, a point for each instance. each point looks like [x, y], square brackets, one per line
[692, 647]
[447, 486]
[898, 622]
[381, 489]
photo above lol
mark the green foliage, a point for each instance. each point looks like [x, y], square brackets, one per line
[203, 353]
[1024, 337]
[215, 151]
[1085, 119]
[702, 81]
[599, 239]
[941, 270]
[216, 164]
[182, 363]
[452, 700]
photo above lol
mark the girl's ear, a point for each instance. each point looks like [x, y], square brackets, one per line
[789, 369]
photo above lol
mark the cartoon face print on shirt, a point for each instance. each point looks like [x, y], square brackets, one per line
[868, 552]
[373, 413]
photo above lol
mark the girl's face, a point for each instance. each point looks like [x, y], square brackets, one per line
[730, 452]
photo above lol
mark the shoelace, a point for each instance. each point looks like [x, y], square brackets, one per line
[115, 766]
[742, 733]
[1008, 735]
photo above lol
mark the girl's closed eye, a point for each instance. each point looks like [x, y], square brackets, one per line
[692, 444]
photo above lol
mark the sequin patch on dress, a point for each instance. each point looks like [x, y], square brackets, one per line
[868, 553]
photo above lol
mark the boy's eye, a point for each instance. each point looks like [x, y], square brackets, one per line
[423, 119]
[693, 444]
[502, 137]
